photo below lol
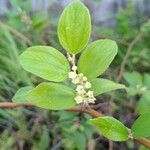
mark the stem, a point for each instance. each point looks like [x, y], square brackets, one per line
[87, 110]
[129, 50]
[144, 141]
[92, 112]
[71, 59]
[5, 105]
[74, 60]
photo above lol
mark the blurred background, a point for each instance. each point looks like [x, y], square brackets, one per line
[24, 23]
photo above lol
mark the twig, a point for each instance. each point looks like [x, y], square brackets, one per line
[144, 141]
[122, 67]
[130, 47]
[87, 110]
[92, 112]
[7, 105]
[110, 145]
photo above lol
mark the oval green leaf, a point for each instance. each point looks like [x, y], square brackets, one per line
[111, 128]
[45, 62]
[133, 78]
[21, 94]
[97, 57]
[74, 27]
[52, 96]
[141, 127]
[100, 86]
[143, 105]
[147, 80]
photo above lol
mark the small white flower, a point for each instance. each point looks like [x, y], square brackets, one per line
[79, 88]
[84, 78]
[74, 68]
[91, 100]
[81, 75]
[90, 94]
[87, 85]
[79, 99]
[81, 92]
[76, 80]
[72, 75]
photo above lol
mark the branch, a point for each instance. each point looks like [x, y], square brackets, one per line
[130, 47]
[89, 111]
[92, 112]
[123, 64]
[7, 105]
[144, 141]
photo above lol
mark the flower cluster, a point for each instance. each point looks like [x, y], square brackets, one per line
[84, 95]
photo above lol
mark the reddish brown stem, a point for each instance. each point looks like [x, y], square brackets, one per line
[89, 111]
[144, 141]
[92, 112]
[7, 105]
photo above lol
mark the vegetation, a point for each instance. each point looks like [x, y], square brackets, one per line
[78, 94]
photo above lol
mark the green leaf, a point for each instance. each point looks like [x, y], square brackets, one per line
[74, 27]
[52, 96]
[80, 140]
[141, 127]
[111, 128]
[147, 80]
[143, 148]
[132, 91]
[133, 78]
[144, 103]
[100, 86]
[97, 57]
[45, 62]
[44, 141]
[21, 94]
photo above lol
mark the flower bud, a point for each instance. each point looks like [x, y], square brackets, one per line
[84, 78]
[87, 85]
[81, 92]
[79, 88]
[74, 68]
[81, 75]
[79, 99]
[72, 75]
[90, 93]
[76, 80]
[91, 100]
